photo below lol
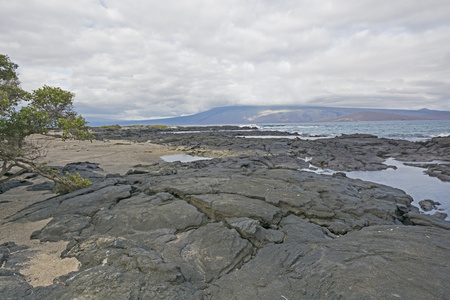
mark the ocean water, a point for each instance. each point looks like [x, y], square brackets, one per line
[182, 158]
[410, 179]
[413, 181]
[416, 130]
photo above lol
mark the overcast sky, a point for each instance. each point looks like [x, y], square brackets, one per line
[141, 59]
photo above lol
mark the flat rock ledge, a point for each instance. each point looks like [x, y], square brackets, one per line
[250, 227]
[354, 152]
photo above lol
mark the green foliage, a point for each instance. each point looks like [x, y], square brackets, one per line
[74, 128]
[157, 126]
[10, 92]
[115, 127]
[42, 110]
[56, 102]
[65, 183]
[70, 183]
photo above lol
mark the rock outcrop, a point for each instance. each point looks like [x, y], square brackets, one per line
[248, 224]
[249, 227]
[344, 153]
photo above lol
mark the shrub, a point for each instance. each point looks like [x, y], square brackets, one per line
[70, 183]
[114, 127]
[157, 126]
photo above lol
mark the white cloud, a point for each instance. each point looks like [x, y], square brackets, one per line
[144, 59]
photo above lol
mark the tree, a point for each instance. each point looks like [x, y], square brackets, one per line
[23, 114]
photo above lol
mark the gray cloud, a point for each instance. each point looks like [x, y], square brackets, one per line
[145, 59]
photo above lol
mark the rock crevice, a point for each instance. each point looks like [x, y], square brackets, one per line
[242, 228]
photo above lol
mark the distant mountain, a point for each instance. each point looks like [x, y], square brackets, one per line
[293, 114]
[372, 116]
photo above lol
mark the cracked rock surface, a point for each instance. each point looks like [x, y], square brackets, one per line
[343, 153]
[236, 229]
[243, 227]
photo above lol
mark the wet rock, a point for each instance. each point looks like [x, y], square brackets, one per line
[441, 171]
[428, 204]
[341, 174]
[440, 215]
[427, 220]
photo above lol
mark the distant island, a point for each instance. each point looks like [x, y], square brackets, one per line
[289, 114]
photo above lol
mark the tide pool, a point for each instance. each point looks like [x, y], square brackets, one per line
[182, 158]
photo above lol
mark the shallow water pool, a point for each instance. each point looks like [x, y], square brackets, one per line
[182, 158]
[412, 180]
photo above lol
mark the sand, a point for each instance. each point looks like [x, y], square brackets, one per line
[45, 264]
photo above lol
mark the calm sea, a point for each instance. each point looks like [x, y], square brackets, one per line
[417, 130]
[410, 179]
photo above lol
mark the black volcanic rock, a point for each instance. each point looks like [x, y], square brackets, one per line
[249, 226]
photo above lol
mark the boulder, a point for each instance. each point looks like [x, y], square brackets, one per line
[428, 204]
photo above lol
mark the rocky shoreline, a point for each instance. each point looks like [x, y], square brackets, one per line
[361, 152]
[247, 224]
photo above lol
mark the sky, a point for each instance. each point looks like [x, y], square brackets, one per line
[146, 59]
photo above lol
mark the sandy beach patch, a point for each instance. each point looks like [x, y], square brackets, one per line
[116, 156]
